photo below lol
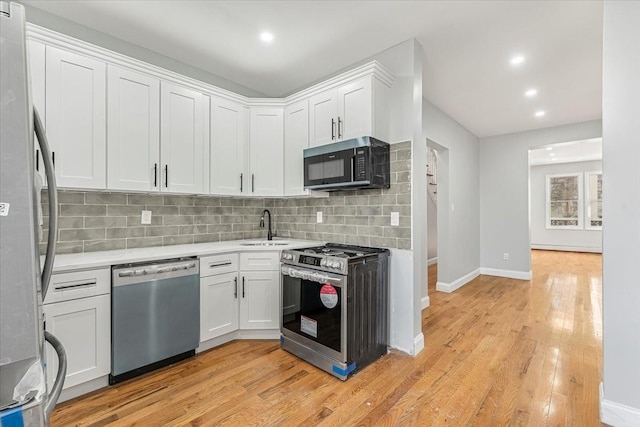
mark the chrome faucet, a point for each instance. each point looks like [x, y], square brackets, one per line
[269, 233]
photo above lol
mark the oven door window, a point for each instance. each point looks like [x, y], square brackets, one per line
[313, 310]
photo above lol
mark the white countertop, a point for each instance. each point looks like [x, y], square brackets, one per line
[87, 260]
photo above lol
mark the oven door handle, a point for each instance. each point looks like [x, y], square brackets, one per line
[312, 276]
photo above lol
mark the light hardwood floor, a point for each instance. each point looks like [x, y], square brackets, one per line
[498, 352]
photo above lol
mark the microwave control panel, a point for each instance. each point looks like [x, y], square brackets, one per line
[360, 172]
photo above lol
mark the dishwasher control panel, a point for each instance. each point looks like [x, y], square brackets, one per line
[132, 273]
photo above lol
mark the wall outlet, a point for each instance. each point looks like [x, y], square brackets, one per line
[319, 216]
[395, 219]
[505, 256]
[145, 219]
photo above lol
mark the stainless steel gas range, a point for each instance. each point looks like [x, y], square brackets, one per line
[335, 303]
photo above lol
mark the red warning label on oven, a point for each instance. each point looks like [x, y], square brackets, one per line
[329, 296]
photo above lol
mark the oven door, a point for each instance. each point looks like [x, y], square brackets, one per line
[331, 168]
[314, 310]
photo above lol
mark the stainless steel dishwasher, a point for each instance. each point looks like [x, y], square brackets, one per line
[155, 315]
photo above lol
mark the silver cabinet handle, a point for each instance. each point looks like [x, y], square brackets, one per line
[166, 176]
[235, 292]
[339, 128]
[219, 264]
[155, 174]
[241, 183]
[76, 285]
[253, 183]
[242, 286]
[333, 129]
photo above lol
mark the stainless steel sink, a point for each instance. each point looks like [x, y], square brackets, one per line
[264, 243]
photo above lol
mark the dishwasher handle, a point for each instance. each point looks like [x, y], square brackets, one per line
[142, 273]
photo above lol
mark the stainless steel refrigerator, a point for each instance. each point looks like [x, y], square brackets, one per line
[24, 400]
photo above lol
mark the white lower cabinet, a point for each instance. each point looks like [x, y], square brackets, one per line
[239, 293]
[218, 305]
[260, 302]
[83, 326]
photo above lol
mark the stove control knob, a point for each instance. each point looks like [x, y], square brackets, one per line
[338, 265]
[324, 262]
[287, 256]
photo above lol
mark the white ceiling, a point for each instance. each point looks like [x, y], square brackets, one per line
[467, 46]
[567, 152]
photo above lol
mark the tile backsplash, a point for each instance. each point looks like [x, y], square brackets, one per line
[96, 221]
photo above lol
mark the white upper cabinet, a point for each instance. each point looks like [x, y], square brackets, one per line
[37, 66]
[229, 142]
[296, 139]
[183, 129]
[354, 109]
[323, 118]
[266, 142]
[133, 145]
[76, 120]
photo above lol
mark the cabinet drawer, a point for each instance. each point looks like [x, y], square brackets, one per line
[259, 261]
[218, 264]
[78, 284]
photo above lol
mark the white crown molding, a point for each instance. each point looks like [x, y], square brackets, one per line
[373, 68]
[62, 41]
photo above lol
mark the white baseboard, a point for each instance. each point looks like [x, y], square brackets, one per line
[616, 414]
[567, 248]
[425, 302]
[84, 388]
[249, 334]
[511, 274]
[458, 283]
[432, 261]
[418, 344]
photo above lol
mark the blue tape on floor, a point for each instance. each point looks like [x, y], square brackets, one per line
[344, 372]
[12, 418]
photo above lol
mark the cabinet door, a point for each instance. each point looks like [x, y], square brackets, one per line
[266, 147]
[355, 109]
[260, 300]
[75, 111]
[228, 147]
[296, 139]
[84, 328]
[182, 133]
[323, 118]
[37, 72]
[133, 145]
[218, 305]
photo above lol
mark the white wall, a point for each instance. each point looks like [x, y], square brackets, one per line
[504, 194]
[621, 209]
[558, 239]
[459, 230]
[72, 29]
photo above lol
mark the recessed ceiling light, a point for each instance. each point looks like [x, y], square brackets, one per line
[540, 113]
[531, 92]
[517, 60]
[266, 37]
[552, 154]
[549, 148]
[554, 159]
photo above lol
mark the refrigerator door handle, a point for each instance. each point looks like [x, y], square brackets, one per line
[52, 190]
[56, 389]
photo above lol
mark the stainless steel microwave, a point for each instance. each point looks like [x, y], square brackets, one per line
[355, 163]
